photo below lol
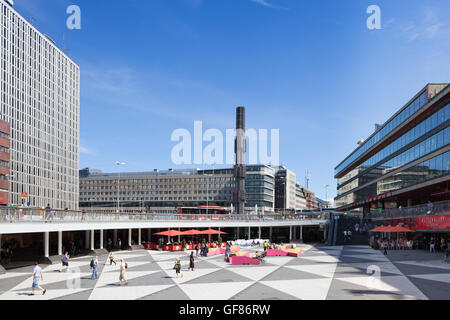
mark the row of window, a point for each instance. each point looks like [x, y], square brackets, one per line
[433, 143]
[4, 135]
[4, 164]
[3, 149]
[388, 128]
[418, 131]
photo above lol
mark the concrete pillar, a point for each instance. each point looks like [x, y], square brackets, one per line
[237, 233]
[60, 243]
[115, 237]
[139, 237]
[46, 244]
[259, 232]
[86, 239]
[92, 239]
[290, 233]
[301, 233]
[101, 239]
[129, 236]
[249, 233]
[209, 238]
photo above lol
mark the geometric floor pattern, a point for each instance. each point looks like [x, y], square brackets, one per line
[321, 273]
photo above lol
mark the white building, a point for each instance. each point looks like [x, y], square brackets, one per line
[40, 98]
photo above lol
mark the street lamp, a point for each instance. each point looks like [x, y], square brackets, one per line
[118, 184]
[326, 194]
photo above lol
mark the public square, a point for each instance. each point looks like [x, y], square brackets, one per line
[321, 273]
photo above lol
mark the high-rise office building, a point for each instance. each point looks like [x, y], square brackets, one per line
[406, 162]
[40, 99]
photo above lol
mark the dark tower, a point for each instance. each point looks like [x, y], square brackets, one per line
[239, 168]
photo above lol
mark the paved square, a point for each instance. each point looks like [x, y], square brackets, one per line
[332, 273]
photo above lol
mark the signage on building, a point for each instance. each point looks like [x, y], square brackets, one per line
[433, 223]
[24, 195]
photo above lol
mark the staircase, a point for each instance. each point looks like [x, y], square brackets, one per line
[357, 239]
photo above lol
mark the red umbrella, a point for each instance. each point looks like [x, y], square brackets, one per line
[400, 229]
[169, 233]
[192, 232]
[212, 231]
[380, 229]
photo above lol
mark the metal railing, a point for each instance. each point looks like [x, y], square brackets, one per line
[21, 215]
[437, 208]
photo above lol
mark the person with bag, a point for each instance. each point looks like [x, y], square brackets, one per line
[94, 265]
[177, 268]
[111, 259]
[123, 267]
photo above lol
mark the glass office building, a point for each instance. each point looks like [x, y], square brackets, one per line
[405, 162]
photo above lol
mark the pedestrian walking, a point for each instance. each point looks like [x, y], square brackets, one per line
[47, 212]
[94, 266]
[122, 276]
[119, 244]
[65, 261]
[432, 245]
[227, 252]
[37, 276]
[197, 248]
[191, 261]
[385, 246]
[111, 259]
[177, 268]
[345, 235]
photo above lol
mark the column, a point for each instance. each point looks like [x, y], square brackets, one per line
[92, 239]
[139, 237]
[209, 238]
[115, 238]
[46, 244]
[290, 233]
[60, 243]
[179, 236]
[101, 239]
[249, 233]
[301, 233]
[129, 236]
[325, 232]
[86, 239]
[259, 232]
[237, 231]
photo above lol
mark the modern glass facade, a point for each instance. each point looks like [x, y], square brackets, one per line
[415, 154]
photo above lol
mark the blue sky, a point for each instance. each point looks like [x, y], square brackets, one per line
[309, 68]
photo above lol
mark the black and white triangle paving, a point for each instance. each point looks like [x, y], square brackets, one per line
[344, 272]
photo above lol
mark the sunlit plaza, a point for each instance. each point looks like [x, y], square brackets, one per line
[320, 273]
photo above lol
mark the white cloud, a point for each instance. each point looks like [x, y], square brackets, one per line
[263, 3]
